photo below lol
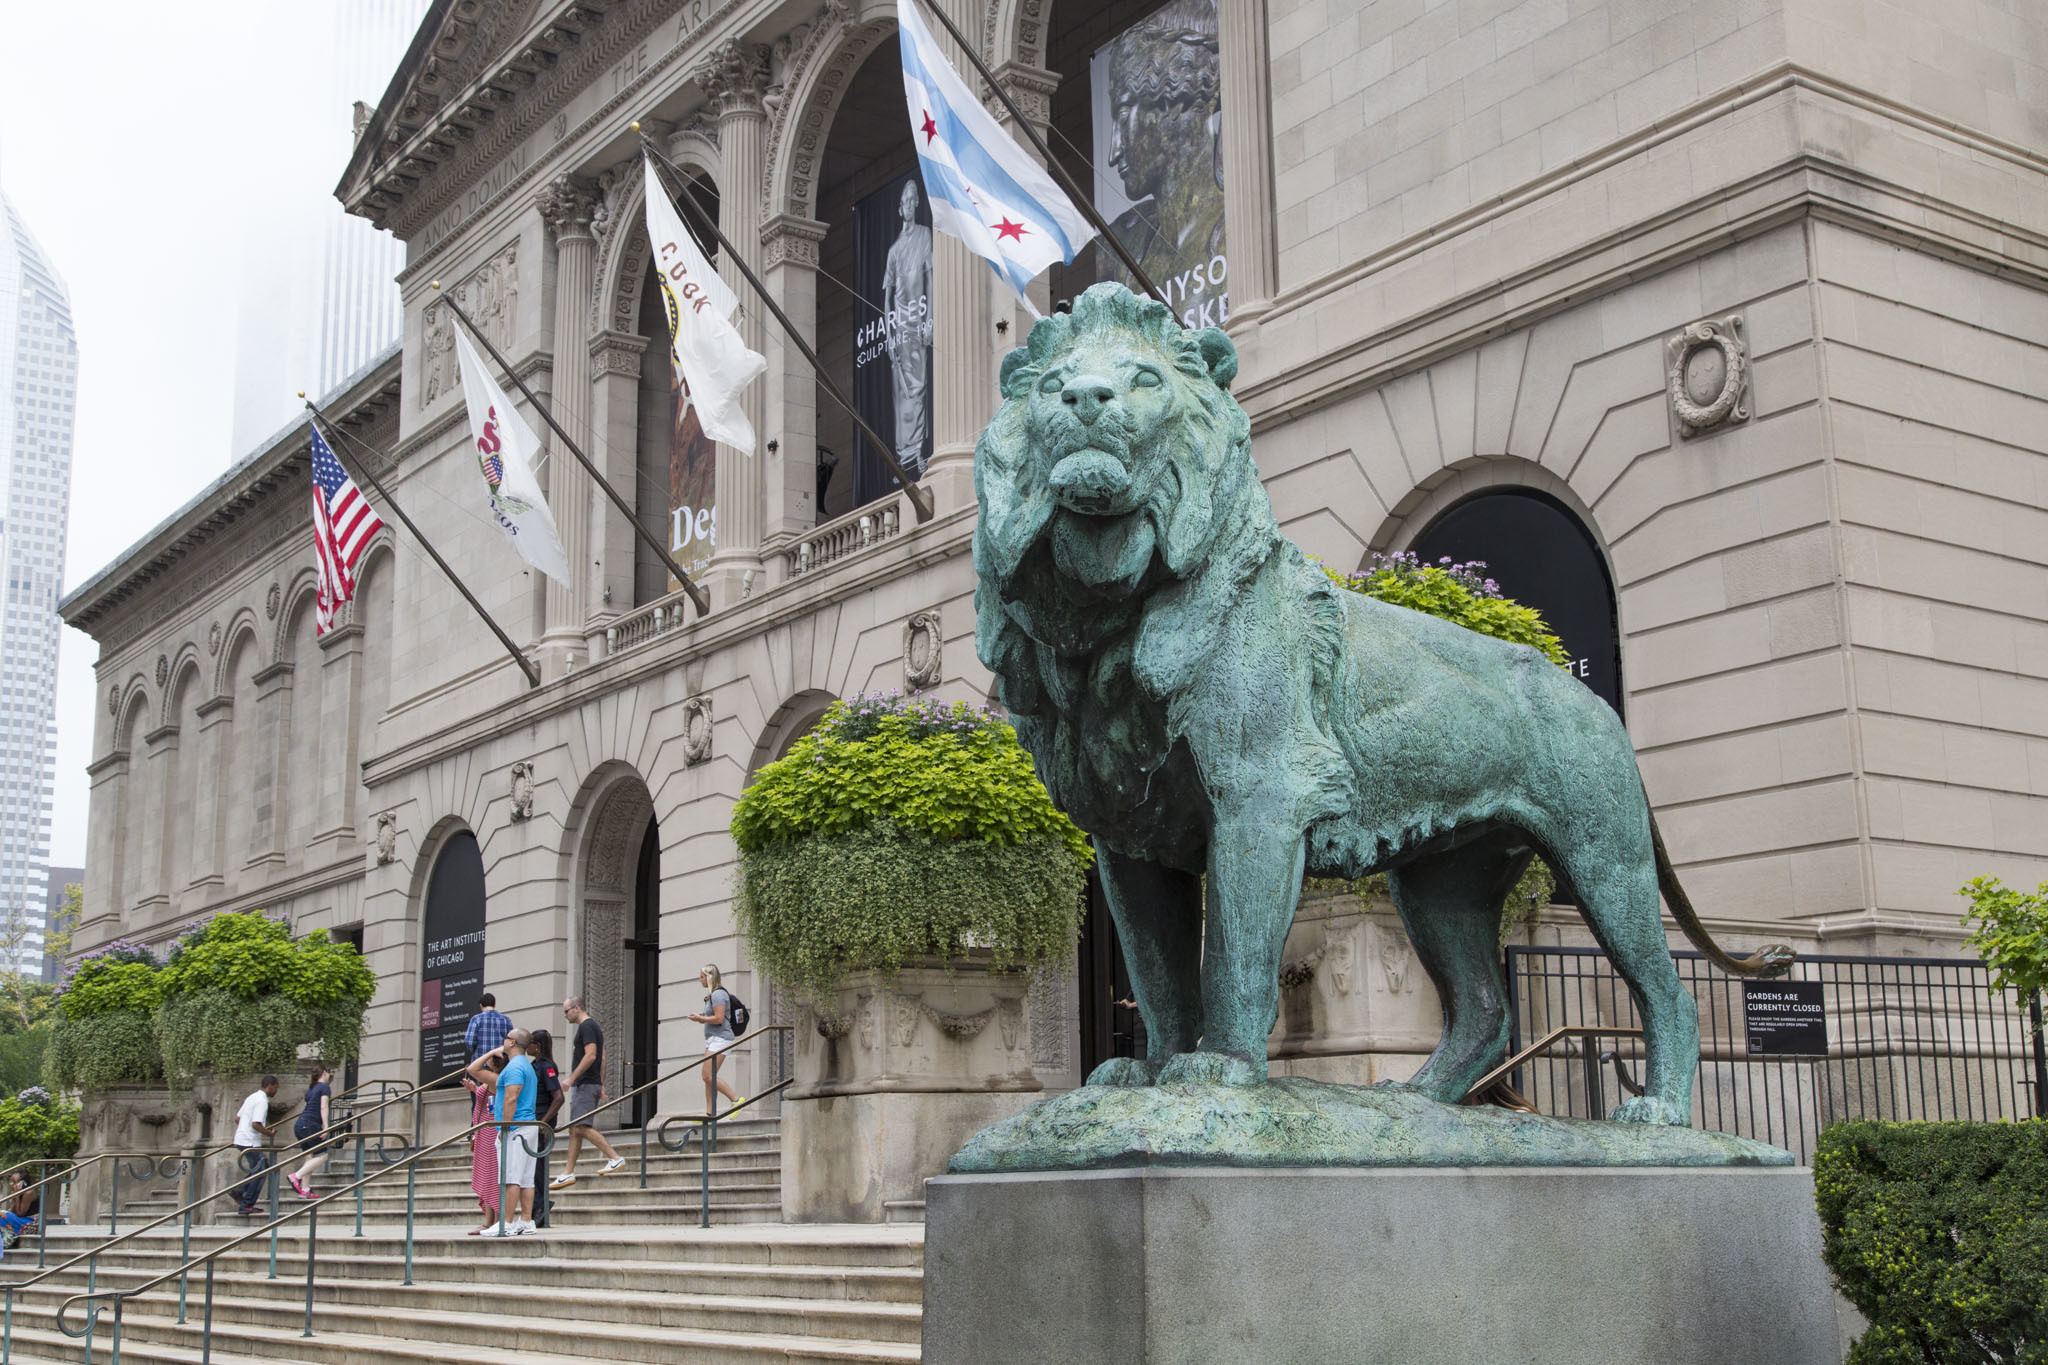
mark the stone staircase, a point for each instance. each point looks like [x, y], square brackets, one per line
[624, 1274]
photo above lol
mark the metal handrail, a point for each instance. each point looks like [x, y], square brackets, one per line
[707, 1138]
[1500, 1073]
[311, 1209]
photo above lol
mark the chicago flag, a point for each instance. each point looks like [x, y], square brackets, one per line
[984, 188]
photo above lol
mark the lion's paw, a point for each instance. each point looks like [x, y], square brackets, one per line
[1650, 1109]
[1125, 1071]
[1211, 1068]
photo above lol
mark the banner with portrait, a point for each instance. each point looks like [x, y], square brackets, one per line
[892, 355]
[692, 487]
[1158, 123]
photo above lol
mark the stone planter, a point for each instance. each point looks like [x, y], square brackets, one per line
[890, 1083]
[159, 1122]
[1356, 1007]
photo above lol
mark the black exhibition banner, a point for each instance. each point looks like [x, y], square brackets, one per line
[452, 960]
[892, 356]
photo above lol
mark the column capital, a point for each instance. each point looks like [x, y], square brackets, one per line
[734, 78]
[616, 353]
[787, 238]
[1031, 88]
[567, 204]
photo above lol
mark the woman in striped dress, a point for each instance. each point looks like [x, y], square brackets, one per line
[483, 1155]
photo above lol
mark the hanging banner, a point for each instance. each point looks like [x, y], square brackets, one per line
[692, 484]
[1157, 90]
[892, 355]
[452, 957]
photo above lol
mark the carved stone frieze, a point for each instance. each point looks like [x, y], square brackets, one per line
[615, 353]
[696, 731]
[489, 294]
[387, 837]
[1050, 1009]
[522, 790]
[923, 650]
[958, 1027]
[1708, 375]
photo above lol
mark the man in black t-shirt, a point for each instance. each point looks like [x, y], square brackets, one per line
[585, 1084]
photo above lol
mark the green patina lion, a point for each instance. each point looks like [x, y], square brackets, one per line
[1204, 701]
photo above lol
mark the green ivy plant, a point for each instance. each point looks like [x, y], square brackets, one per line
[901, 828]
[1459, 593]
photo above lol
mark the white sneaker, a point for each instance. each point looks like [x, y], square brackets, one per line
[616, 1163]
[500, 1230]
[561, 1182]
[522, 1227]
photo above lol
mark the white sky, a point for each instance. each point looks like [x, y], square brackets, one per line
[151, 148]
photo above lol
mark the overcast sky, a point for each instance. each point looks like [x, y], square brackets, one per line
[150, 147]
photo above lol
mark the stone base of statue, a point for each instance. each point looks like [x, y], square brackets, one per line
[1578, 1265]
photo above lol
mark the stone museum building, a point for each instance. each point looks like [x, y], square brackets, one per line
[1719, 331]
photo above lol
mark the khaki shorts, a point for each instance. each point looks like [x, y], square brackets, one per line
[517, 1157]
[583, 1099]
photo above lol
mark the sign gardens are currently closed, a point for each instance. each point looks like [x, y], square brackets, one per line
[1785, 1018]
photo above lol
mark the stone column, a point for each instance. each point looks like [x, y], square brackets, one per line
[789, 267]
[211, 793]
[1247, 157]
[734, 79]
[615, 359]
[566, 205]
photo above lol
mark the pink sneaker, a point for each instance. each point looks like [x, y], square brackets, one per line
[299, 1186]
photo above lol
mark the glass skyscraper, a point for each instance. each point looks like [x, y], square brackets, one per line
[38, 388]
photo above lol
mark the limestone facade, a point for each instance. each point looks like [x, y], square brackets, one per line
[1469, 240]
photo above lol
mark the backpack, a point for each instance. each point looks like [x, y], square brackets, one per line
[737, 1015]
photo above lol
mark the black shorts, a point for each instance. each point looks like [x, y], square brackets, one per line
[307, 1131]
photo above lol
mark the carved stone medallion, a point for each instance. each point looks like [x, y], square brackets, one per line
[163, 669]
[696, 731]
[387, 837]
[271, 602]
[522, 790]
[1708, 374]
[923, 642]
[114, 700]
[213, 639]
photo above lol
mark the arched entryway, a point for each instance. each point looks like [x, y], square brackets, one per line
[1542, 556]
[618, 937]
[452, 957]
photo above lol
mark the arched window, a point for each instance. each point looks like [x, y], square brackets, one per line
[246, 769]
[1543, 556]
[183, 858]
[452, 956]
[302, 776]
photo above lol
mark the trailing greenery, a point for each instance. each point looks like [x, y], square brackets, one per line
[1459, 593]
[1938, 1233]
[2011, 934]
[35, 1124]
[238, 994]
[903, 828]
[241, 995]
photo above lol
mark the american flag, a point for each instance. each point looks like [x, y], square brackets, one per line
[342, 525]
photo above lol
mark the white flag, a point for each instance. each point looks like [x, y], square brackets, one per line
[710, 359]
[505, 451]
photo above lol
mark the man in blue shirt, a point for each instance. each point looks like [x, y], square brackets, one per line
[515, 1092]
[487, 1028]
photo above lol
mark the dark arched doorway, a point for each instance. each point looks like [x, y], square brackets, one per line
[452, 956]
[1543, 557]
[644, 1062]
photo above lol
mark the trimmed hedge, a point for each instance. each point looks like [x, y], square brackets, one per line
[1938, 1233]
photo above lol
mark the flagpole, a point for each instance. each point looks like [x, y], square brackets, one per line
[697, 594]
[518, 657]
[1074, 192]
[919, 498]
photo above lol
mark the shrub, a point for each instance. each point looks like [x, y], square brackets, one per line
[1459, 593]
[34, 1125]
[241, 995]
[902, 828]
[1938, 1233]
[105, 1034]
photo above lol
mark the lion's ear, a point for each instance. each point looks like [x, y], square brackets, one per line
[1017, 359]
[1217, 353]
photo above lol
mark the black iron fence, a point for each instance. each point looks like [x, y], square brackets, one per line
[1851, 1037]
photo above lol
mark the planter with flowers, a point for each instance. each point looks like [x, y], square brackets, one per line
[901, 869]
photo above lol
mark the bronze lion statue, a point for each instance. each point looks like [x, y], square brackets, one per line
[1218, 714]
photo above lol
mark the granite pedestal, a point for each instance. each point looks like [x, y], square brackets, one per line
[1408, 1266]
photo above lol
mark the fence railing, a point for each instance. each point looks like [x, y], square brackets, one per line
[1906, 1038]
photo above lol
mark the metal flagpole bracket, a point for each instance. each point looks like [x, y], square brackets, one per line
[339, 439]
[920, 498]
[1075, 193]
[698, 596]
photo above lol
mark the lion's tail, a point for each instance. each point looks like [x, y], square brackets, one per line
[1773, 959]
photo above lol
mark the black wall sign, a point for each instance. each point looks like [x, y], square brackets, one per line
[892, 340]
[1785, 1018]
[1543, 558]
[452, 965]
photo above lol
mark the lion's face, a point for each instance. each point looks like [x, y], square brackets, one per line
[1116, 431]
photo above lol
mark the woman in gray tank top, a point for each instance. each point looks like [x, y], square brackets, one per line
[718, 1036]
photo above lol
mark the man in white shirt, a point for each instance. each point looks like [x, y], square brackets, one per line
[252, 1125]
